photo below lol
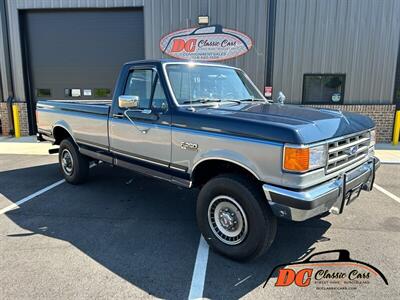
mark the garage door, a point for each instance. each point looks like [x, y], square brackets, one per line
[77, 54]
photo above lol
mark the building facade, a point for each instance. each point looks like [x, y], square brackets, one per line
[342, 54]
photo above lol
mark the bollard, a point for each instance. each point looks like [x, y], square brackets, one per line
[17, 129]
[396, 128]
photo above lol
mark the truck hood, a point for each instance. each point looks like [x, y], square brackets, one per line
[282, 123]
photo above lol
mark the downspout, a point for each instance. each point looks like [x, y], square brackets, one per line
[270, 43]
[10, 84]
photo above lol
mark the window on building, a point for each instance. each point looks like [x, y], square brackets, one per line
[102, 92]
[323, 88]
[43, 93]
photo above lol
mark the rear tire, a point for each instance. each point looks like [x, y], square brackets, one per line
[73, 165]
[234, 217]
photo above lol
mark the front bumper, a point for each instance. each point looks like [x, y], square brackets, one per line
[330, 196]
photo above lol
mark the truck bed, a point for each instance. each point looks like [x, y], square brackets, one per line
[88, 106]
[86, 120]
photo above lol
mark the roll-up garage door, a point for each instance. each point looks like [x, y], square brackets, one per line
[77, 54]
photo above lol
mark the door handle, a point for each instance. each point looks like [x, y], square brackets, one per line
[118, 116]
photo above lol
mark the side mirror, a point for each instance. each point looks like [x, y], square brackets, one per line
[281, 98]
[128, 101]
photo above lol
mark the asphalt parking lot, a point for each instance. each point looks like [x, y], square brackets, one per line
[122, 235]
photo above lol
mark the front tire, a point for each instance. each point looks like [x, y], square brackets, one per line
[234, 217]
[73, 165]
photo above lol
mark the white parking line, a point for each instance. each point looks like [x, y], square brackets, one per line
[243, 280]
[30, 197]
[387, 193]
[199, 272]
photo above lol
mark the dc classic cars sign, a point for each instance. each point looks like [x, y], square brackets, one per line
[210, 43]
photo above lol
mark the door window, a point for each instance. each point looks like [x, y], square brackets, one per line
[146, 86]
[140, 84]
[159, 102]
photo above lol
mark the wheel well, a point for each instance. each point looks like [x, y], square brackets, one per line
[214, 167]
[59, 134]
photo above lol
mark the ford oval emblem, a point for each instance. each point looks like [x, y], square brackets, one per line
[352, 150]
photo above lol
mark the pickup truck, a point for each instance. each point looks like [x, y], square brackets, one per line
[206, 126]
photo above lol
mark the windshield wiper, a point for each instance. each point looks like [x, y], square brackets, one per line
[250, 99]
[205, 100]
[233, 100]
[239, 101]
[201, 101]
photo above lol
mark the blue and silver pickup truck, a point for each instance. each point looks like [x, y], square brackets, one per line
[206, 126]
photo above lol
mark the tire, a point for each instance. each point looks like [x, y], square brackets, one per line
[73, 165]
[241, 199]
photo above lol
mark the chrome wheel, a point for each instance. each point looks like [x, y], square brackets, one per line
[67, 163]
[227, 220]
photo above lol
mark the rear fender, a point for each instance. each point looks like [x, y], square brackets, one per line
[64, 125]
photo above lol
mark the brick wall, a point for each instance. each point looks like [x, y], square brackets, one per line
[5, 119]
[383, 116]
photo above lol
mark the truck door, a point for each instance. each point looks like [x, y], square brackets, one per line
[143, 132]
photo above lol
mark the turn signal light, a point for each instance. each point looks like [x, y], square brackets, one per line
[296, 159]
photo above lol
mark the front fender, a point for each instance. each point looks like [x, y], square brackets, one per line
[226, 155]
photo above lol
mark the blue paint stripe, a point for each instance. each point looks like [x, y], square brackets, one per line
[207, 133]
[223, 135]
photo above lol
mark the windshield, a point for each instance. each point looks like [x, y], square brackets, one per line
[193, 83]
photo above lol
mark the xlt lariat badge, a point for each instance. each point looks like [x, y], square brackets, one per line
[189, 146]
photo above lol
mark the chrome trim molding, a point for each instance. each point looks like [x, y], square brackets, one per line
[96, 155]
[152, 173]
[139, 158]
[78, 141]
[178, 168]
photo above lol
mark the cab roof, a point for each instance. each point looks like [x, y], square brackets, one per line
[168, 60]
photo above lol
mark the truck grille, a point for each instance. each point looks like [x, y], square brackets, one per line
[344, 152]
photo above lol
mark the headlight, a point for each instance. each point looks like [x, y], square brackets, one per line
[296, 159]
[372, 138]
